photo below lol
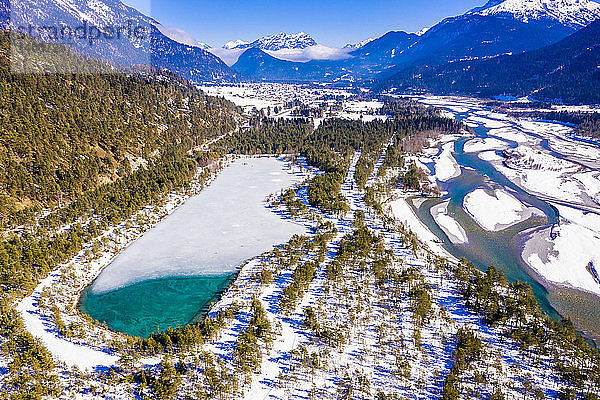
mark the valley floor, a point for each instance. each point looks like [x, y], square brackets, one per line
[356, 335]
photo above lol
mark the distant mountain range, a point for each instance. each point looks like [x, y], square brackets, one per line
[368, 60]
[298, 47]
[498, 27]
[114, 23]
[568, 71]
[494, 31]
[571, 13]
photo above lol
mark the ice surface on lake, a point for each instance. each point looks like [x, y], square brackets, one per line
[213, 232]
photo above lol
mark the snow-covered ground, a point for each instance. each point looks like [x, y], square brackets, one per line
[380, 341]
[362, 117]
[498, 210]
[403, 213]
[476, 145]
[270, 95]
[41, 327]
[449, 225]
[90, 352]
[375, 327]
[446, 166]
[362, 106]
[571, 258]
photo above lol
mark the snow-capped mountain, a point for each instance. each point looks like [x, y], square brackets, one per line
[275, 42]
[354, 46]
[566, 70]
[576, 13]
[236, 44]
[297, 47]
[498, 27]
[140, 39]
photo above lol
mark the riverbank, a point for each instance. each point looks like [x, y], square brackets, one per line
[536, 165]
[451, 228]
[404, 212]
[498, 210]
[579, 305]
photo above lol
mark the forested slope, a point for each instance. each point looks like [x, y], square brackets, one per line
[77, 154]
[567, 71]
[63, 135]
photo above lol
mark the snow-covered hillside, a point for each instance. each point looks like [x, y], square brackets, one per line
[144, 40]
[358, 45]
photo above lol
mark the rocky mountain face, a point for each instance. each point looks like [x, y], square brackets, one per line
[275, 42]
[112, 31]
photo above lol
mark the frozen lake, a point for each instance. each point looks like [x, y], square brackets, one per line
[213, 232]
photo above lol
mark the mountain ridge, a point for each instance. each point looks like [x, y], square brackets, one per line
[566, 71]
[275, 42]
[577, 13]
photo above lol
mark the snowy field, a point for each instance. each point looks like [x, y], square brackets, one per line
[573, 257]
[242, 96]
[403, 213]
[213, 232]
[476, 145]
[449, 225]
[362, 106]
[264, 95]
[446, 166]
[356, 116]
[497, 211]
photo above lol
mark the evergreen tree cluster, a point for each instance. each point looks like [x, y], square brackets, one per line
[89, 150]
[330, 146]
[513, 307]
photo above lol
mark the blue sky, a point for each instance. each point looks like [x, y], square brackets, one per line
[332, 23]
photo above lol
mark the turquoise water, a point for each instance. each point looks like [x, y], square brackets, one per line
[500, 249]
[486, 248]
[141, 308]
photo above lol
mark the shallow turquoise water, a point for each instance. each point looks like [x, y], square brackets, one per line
[141, 308]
